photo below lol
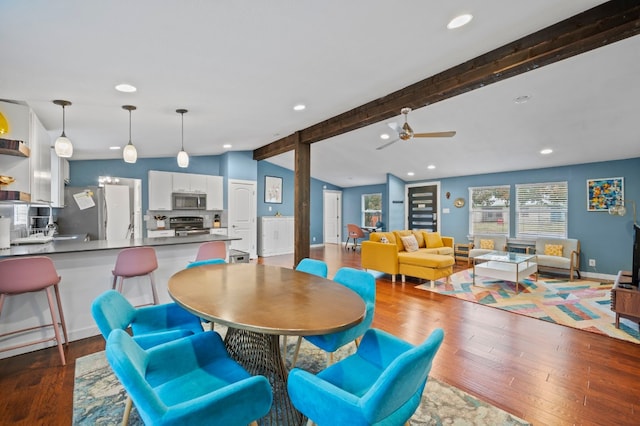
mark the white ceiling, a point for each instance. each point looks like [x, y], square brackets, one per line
[239, 67]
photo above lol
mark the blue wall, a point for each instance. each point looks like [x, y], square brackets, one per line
[603, 237]
[394, 219]
[352, 203]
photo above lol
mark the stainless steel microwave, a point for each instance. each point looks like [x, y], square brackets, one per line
[183, 201]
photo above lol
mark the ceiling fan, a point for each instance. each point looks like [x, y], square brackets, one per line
[406, 132]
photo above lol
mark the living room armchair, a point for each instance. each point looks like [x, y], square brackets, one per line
[558, 254]
[483, 244]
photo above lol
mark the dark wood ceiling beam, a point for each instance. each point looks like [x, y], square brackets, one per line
[597, 27]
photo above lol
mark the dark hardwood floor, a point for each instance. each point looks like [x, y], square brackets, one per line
[544, 373]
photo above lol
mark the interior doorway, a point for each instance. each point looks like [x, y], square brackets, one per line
[332, 214]
[242, 211]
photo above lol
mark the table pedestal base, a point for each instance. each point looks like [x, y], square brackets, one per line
[259, 353]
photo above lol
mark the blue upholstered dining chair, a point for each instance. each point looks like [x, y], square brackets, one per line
[214, 261]
[188, 381]
[313, 266]
[362, 283]
[382, 383]
[150, 325]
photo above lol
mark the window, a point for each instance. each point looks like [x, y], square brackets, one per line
[489, 210]
[371, 209]
[541, 210]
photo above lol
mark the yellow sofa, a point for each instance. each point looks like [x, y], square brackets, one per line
[386, 252]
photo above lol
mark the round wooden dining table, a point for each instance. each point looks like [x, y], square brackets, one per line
[259, 303]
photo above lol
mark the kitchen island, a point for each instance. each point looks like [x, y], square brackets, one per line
[85, 268]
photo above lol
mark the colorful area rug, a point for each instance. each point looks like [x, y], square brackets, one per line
[98, 397]
[581, 304]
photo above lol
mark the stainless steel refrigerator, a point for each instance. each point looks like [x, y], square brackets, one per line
[100, 212]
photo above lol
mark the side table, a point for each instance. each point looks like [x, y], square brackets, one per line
[625, 299]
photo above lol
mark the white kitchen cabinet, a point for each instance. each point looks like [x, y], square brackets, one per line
[189, 182]
[275, 235]
[160, 189]
[59, 178]
[40, 161]
[159, 233]
[214, 191]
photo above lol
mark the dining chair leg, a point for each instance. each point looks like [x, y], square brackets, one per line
[127, 411]
[54, 322]
[295, 353]
[153, 288]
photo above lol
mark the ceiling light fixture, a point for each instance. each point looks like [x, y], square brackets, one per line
[299, 107]
[522, 99]
[114, 148]
[546, 151]
[459, 21]
[384, 136]
[226, 146]
[126, 88]
[410, 173]
[129, 153]
[431, 167]
[63, 146]
[183, 157]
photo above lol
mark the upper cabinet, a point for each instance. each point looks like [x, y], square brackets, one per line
[40, 162]
[160, 189]
[189, 182]
[215, 199]
[59, 178]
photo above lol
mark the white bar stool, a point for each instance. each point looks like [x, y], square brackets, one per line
[136, 262]
[31, 274]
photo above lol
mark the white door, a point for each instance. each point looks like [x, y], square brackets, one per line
[332, 216]
[242, 211]
[118, 211]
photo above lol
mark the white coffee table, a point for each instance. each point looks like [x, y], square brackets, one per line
[506, 266]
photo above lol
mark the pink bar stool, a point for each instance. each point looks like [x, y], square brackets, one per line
[31, 274]
[212, 250]
[136, 262]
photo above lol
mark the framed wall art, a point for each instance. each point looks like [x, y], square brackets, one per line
[604, 193]
[273, 189]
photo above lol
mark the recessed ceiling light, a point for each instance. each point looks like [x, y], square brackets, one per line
[522, 99]
[410, 174]
[431, 167]
[299, 107]
[226, 146]
[384, 136]
[114, 148]
[127, 88]
[546, 151]
[459, 21]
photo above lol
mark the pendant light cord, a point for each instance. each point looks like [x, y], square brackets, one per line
[129, 126]
[63, 135]
[182, 116]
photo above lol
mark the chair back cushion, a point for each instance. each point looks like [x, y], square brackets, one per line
[26, 274]
[355, 231]
[112, 311]
[399, 388]
[313, 266]
[136, 261]
[212, 250]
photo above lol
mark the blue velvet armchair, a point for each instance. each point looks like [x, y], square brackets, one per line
[188, 381]
[313, 266]
[362, 283]
[382, 383]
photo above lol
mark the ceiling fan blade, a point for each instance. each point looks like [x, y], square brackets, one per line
[434, 135]
[387, 144]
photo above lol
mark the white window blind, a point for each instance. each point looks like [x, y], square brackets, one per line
[489, 210]
[541, 209]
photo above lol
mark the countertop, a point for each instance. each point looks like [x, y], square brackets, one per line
[73, 245]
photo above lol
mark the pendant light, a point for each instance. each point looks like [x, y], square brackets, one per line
[63, 146]
[129, 153]
[183, 157]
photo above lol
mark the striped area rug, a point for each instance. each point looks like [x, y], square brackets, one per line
[581, 304]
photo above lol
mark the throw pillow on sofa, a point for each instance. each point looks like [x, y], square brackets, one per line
[410, 243]
[433, 239]
[419, 238]
[553, 249]
[486, 244]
